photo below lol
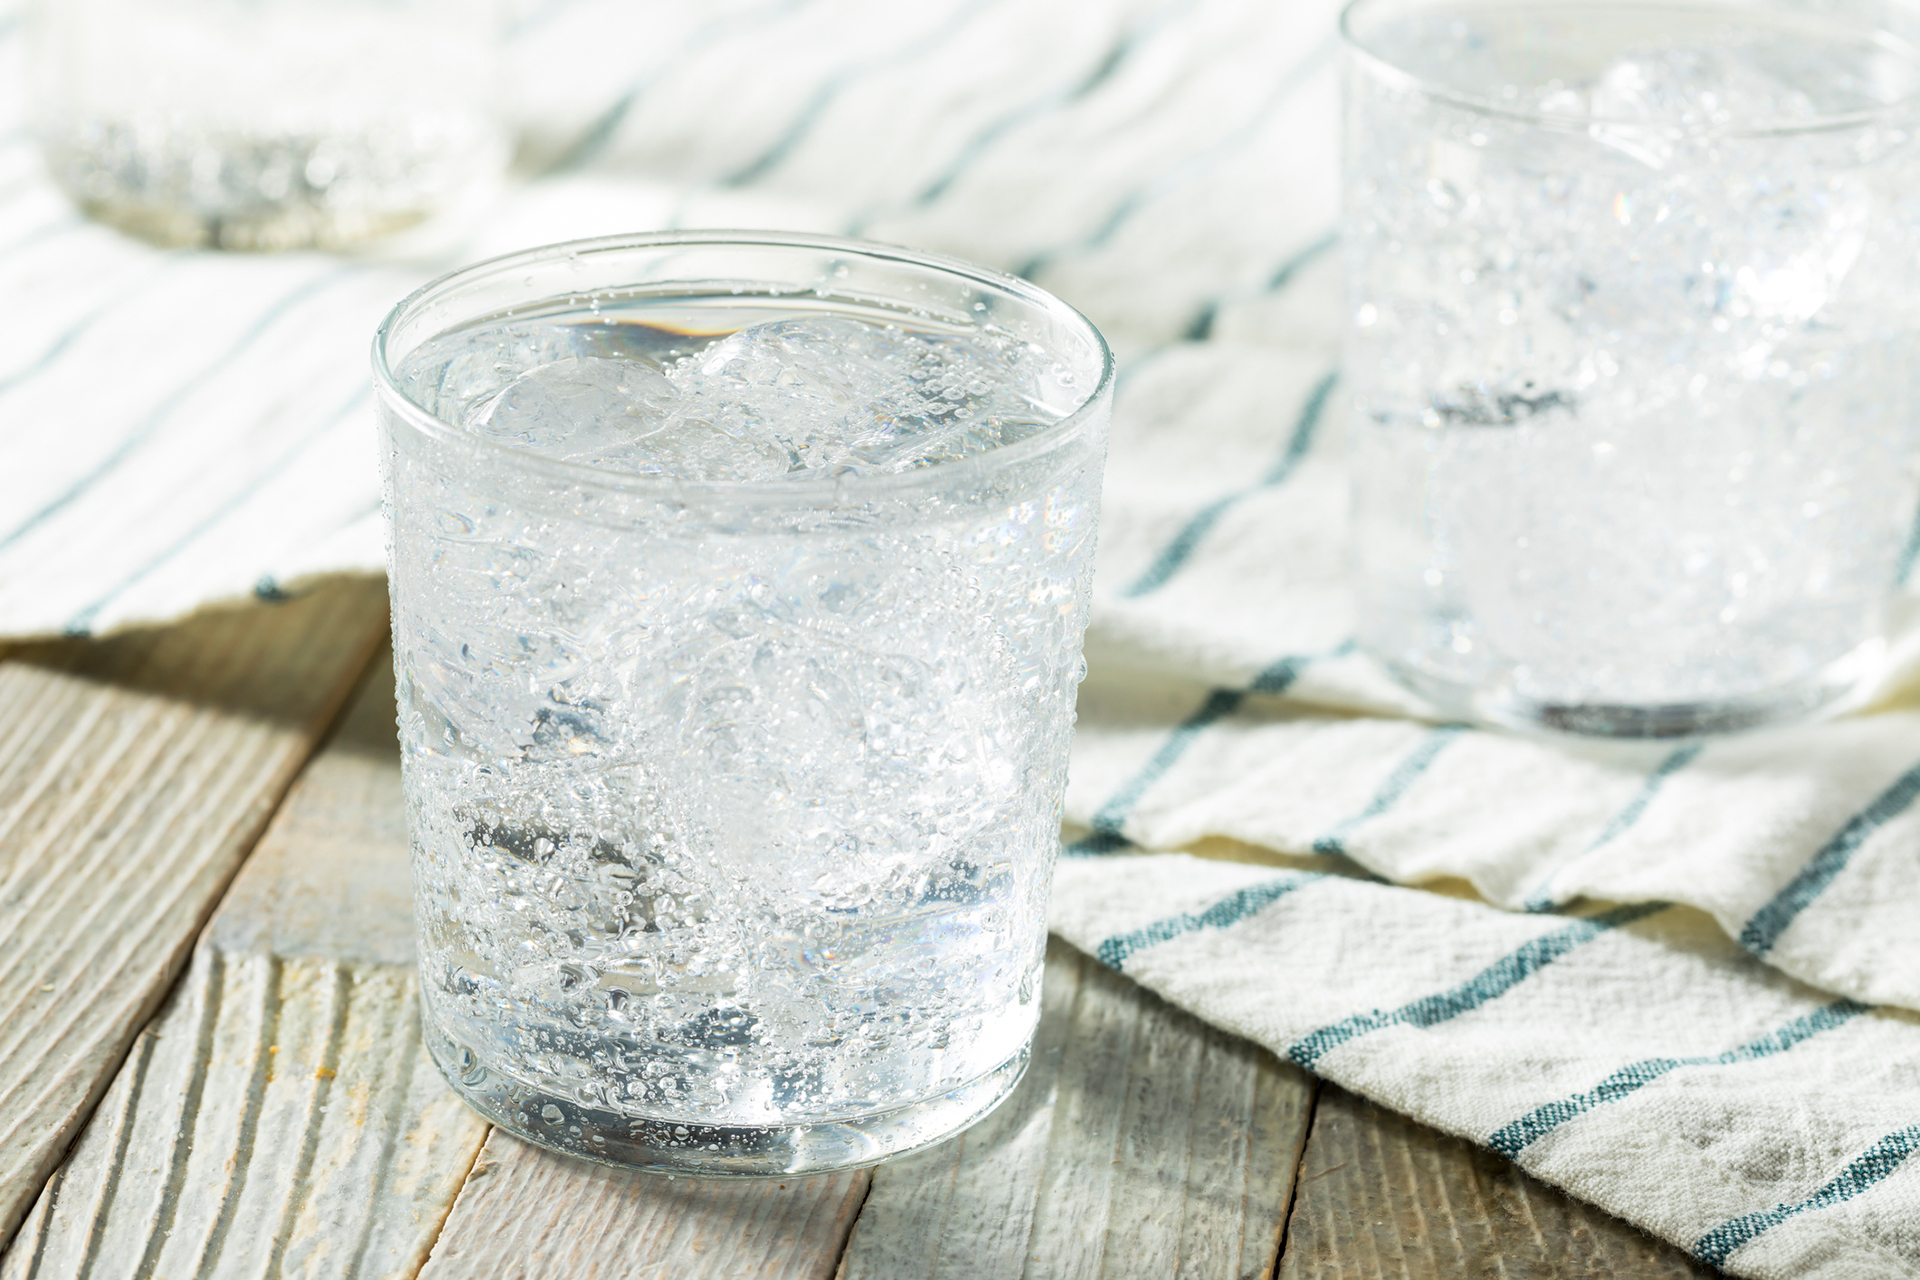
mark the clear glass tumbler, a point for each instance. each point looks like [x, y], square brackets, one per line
[1633, 322]
[739, 583]
[266, 124]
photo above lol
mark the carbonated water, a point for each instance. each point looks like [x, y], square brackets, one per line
[1632, 339]
[734, 801]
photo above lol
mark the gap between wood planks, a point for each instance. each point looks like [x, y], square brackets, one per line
[1142, 1142]
[1293, 1189]
[136, 773]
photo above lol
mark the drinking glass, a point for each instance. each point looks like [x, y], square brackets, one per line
[1632, 334]
[734, 774]
[266, 124]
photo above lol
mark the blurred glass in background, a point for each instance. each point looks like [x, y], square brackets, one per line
[266, 124]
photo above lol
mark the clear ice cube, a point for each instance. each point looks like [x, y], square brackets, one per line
[803, 396]
[578, 408]
[1699, 86]
[840, 395]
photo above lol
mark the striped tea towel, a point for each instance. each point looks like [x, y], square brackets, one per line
[184, 428]
[1676, 982]
[1636, 1056]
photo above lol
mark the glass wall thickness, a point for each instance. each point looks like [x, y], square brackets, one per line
[1632, 331]
[734, 805]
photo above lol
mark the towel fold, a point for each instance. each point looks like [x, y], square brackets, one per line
[1678, 982]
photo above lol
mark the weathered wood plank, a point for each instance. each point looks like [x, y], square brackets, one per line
[965, 1208]
[135, 774]
[1142, 1143]
[280, 1116]
[1383, 1196]
[527, 1214]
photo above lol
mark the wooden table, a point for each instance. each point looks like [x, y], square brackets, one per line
[210, 1064]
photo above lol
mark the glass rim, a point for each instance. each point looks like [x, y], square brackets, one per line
[1835, 121]
[834, 490]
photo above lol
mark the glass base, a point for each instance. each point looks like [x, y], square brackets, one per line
[264, 192]
[678, 1146]
[1826, 692]
[269, 229]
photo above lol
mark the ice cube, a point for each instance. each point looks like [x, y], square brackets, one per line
[802, 396]
[1700, 86]
[578, 407]
[841, 395]
[452, 374]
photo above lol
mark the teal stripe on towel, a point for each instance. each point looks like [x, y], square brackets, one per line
[1490, 983]
[1129, 43]
[1111, 817]
[1219, 704]
[1909, 552]
[1177, 552]
[823, 96]
[596, 137]
[161, 412]
[1510, 1140]
[1200, 328]
[1398, 783]
[1621, 822]
[58, 347]
[1768, 923]
[1871, 1167]
[1191, 164]
[81, 623]
[1229, 911]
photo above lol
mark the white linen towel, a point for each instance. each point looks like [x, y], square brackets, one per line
[1678, 982]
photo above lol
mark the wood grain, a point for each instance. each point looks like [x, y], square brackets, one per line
[1142, 1143]
[965, 1208]
[528, 1214]
[135, 774]
[280, 1117]
[1382, 1196]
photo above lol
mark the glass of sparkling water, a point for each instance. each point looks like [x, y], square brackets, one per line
[266, 124]
[739, 582]
[1633, 320]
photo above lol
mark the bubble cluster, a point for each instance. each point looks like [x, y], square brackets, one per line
[1632, 351]
[737, 827]
[795, 397]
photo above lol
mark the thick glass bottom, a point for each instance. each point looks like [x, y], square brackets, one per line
[277, 228]
[1826, 691]
[680, 1146]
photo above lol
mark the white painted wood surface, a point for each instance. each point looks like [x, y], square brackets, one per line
[135, 774]
[1141, 1143]
[528, 1214]
[966, 1207]
[280, 1117]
